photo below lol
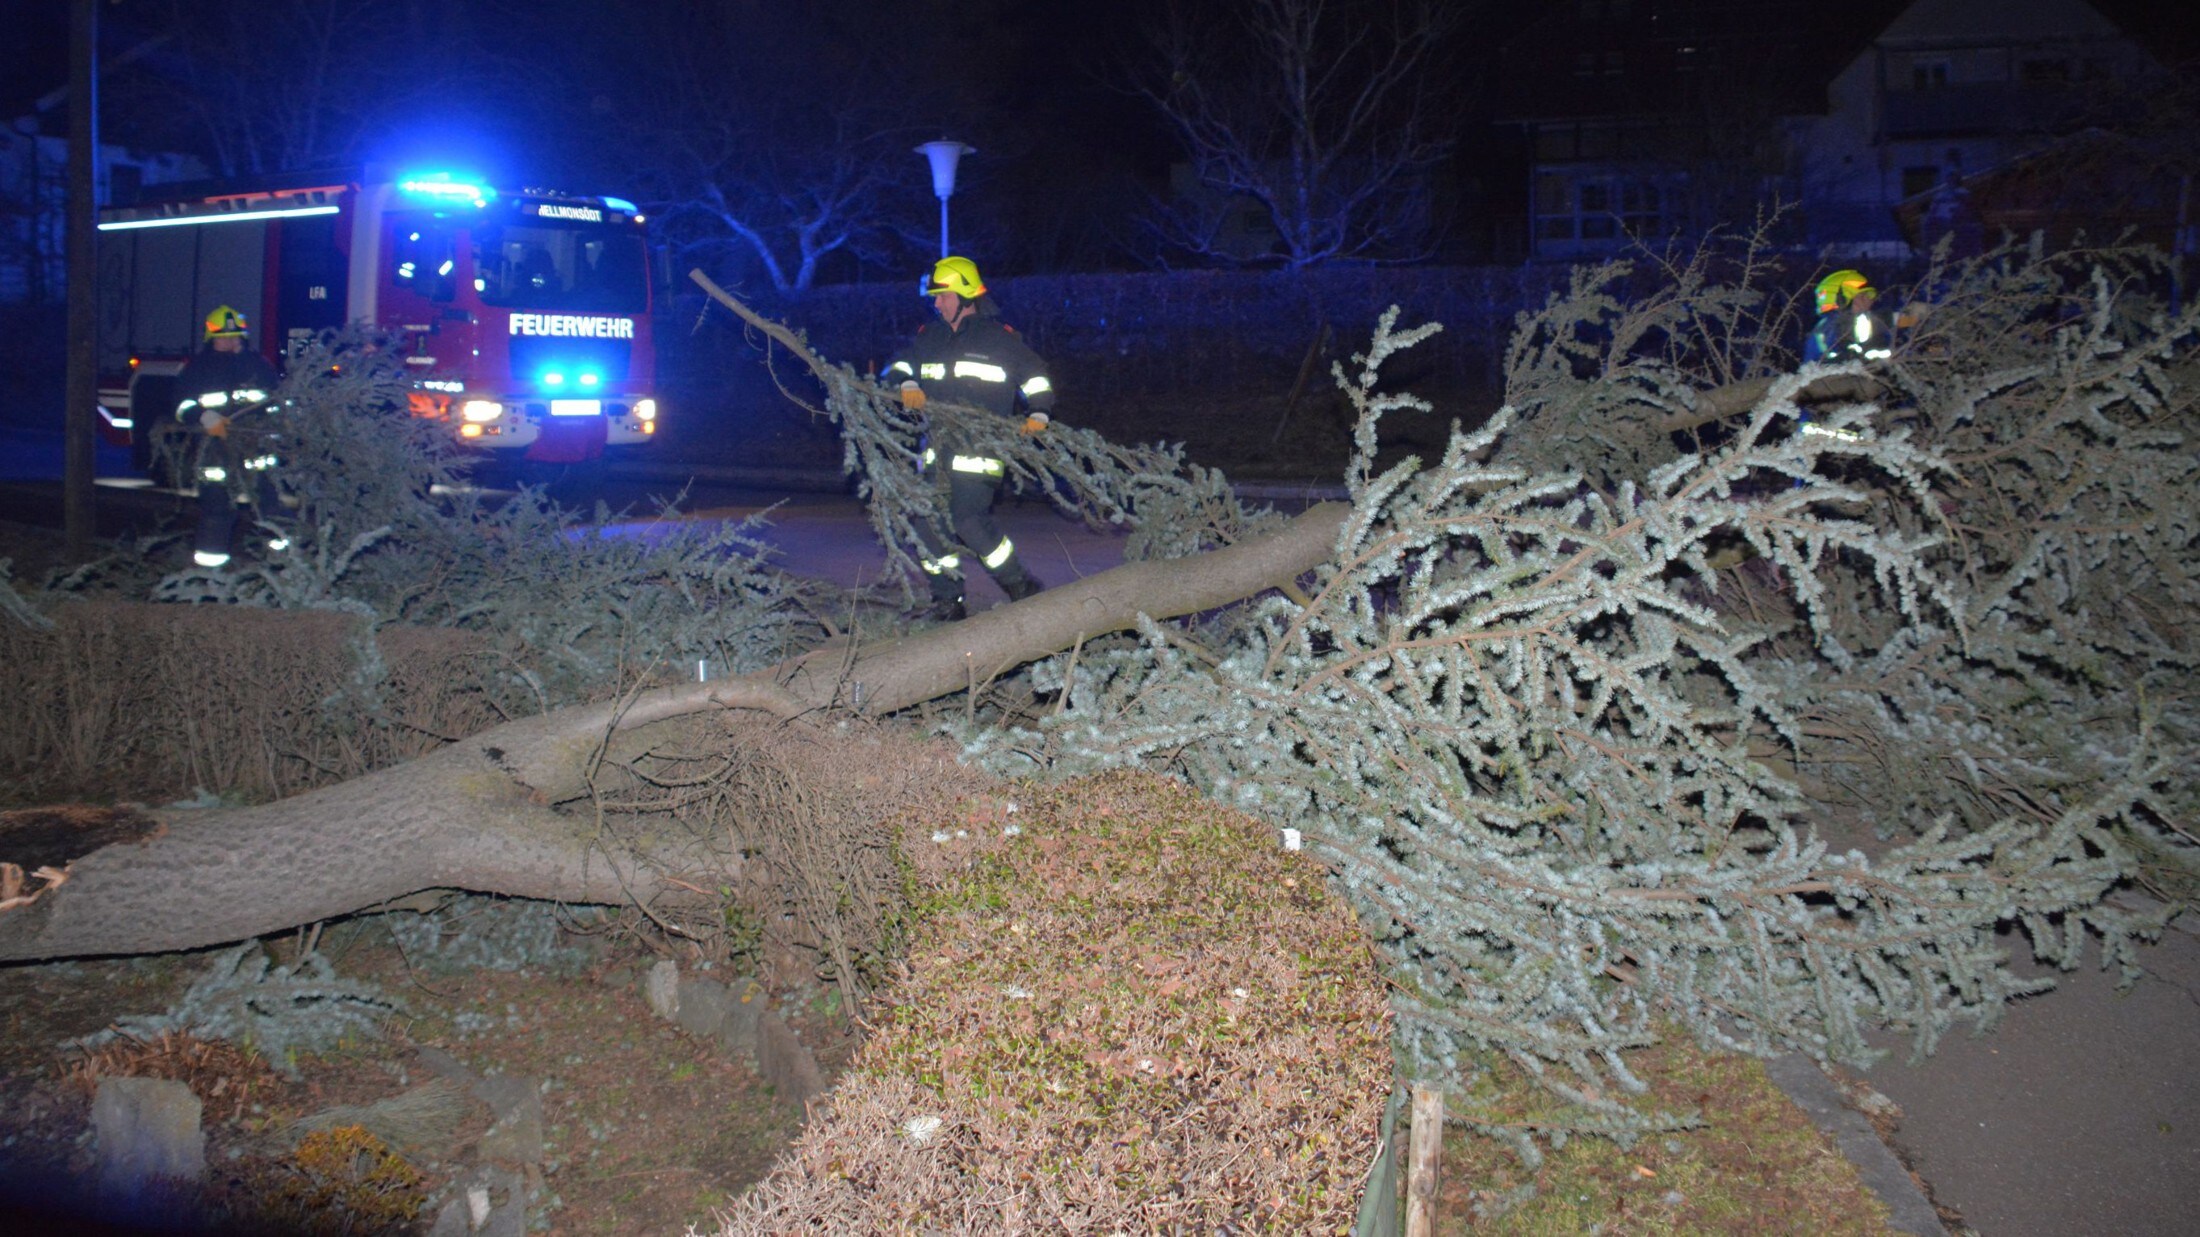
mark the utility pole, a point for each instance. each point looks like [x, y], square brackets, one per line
[79, 420]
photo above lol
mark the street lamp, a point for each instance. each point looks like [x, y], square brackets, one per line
[943, 155]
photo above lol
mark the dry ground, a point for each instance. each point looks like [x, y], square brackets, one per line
[645, 1128]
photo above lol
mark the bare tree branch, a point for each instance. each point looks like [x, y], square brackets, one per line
[1327, 116]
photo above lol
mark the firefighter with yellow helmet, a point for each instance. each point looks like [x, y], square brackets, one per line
[970, 357]
[1847, 329]
[222, 381]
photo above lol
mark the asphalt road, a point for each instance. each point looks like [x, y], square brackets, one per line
[815, 526]
[2078, 1115]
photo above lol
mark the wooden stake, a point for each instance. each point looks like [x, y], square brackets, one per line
[1424, 1152]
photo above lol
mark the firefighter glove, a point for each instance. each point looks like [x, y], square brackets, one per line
[1035, 422]
[215, 424]
[912, 396]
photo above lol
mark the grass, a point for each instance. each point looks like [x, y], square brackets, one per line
[1123, 1009]
[1755, 1164]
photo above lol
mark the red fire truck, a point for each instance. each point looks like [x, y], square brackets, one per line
[523, 314]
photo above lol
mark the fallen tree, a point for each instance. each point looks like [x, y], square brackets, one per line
[484, 813]
[1539, 716]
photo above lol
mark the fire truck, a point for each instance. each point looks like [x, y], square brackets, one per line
[523, 315]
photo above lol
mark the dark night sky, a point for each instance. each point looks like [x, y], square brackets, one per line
[1046, 125]
[33, 55]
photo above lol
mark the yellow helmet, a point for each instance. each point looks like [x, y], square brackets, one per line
[956, 275]
[224, 322]
[1838, 289]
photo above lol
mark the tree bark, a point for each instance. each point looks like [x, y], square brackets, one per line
[482, 814]
[1732, 400]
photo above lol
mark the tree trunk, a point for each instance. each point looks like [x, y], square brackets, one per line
[482, 814]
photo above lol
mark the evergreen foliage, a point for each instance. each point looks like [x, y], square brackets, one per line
[384, 527]
[500, 934]
[1556, 728]
[2057, 395]
[1170, 506]
[280, 1011]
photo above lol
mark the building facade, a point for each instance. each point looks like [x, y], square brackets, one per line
[1654, 118]
[34, 200]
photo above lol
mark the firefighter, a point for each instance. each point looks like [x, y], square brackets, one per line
[1847, 329]
[225, 380]
[970, 357]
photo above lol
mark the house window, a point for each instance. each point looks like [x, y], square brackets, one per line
[1615, 63]
[1585, 64]
[1917, 179]
[1599, 141]
[1928, 74]
[1554, 143]
[1595, 213]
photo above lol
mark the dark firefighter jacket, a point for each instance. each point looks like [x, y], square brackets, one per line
[225, 376]
[1847, 335]
[985, 364]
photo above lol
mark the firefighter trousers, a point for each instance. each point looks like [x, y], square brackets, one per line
[233, 478]
[972, 532]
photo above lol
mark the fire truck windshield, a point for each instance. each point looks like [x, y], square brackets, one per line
[549, 266]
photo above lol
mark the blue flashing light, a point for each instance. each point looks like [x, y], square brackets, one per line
[621, 204]
[591, 379]
[553, 379]
[440, 185]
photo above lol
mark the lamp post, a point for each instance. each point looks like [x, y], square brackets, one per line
[943, 154]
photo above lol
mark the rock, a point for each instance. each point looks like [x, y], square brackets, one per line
[488, 1202]
[151, 1149]
[704, 1004]
[451, 1220]
[662, 987]
[784, 1062]
[445, 1065]
[745, 1005]
[516, 1137]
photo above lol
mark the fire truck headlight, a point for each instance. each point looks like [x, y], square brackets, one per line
[469, 430]
[479, 410]
[645, 410]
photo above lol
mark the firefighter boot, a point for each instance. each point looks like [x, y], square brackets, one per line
[947, 601]
[1022, 585]
[942, 610]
